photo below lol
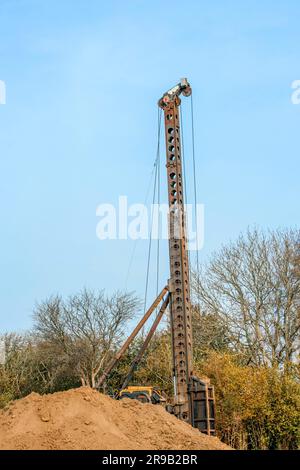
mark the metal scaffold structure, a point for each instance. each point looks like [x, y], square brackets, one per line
[193, 399]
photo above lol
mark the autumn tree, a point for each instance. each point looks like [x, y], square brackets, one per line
[257, 407]
[252, 286]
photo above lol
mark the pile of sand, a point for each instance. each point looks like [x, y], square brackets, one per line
[85, 419]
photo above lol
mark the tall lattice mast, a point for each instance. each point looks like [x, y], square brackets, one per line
[180, 306]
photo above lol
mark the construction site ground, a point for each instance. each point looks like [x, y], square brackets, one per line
[86, 419]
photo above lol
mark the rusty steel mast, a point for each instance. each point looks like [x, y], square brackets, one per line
[193, 398]
[179, 284]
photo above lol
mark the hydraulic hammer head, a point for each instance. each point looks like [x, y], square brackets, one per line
[182, 87]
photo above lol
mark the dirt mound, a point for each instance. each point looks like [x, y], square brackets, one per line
[85, 419]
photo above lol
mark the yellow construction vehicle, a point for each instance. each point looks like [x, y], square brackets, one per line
[144, 394]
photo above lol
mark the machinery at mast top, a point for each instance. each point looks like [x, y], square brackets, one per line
[182, 87]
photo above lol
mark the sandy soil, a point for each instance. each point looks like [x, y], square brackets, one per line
[85, 419]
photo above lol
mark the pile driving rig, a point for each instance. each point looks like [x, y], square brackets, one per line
[193, 399]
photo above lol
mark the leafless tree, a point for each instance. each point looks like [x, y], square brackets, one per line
[85, 329]
[16, 368]
[209, 334]
[253, 285]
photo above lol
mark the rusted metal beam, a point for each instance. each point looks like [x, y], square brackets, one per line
[180, 306]
[129, 340]
[190, 393]
[145, 344]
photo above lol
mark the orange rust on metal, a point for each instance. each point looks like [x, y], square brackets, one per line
[194, 399]
[180, 305]
[144, 346]
[131, 337]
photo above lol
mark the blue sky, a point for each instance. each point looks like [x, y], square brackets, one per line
[79, 129]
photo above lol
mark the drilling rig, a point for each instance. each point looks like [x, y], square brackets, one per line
[193, 400]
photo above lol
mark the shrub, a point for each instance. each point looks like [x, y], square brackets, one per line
[257, 407]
